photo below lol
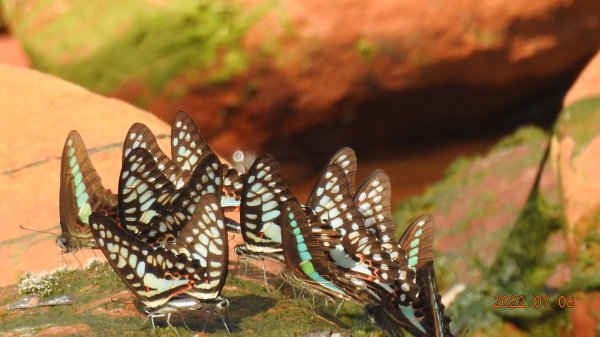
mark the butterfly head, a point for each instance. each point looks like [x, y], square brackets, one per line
[63, 242]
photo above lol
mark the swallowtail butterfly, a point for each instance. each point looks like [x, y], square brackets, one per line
[81, 193]
[186, 274]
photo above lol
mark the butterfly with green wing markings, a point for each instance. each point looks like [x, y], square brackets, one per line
[81, 193]
[185, 274]
[426, 316]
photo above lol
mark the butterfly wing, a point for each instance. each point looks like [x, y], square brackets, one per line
[260, 217]
[153, 275]
[430, 303]
[346, 159]
[140, 136]
[305, 251]
[81, 193]
[417, 242]
[372, 199]
[188, 147]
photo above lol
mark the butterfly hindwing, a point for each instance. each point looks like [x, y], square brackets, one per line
[81, 193]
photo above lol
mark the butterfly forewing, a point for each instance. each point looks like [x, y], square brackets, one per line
[260, 217]
[81, 193]
[417, 242]
[372, 199]
[346, 159]
[153, 275]
[140, 136]
[188, 147]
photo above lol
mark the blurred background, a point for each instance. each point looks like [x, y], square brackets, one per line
[409, 85]
[412, 86]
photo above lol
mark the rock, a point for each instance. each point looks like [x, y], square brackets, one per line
[576, 154]
[587, 83]
[38, 111]
[362, 65]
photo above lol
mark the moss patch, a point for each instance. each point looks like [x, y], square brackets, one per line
[252, 312]
[103, 45]
[580, 121]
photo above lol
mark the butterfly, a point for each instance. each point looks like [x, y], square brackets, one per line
[81, 193]
[424, 317]
[186, 274]
[150, 205]
[260, 215]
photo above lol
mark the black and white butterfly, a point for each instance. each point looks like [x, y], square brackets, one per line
[81, 193]
[185, 274]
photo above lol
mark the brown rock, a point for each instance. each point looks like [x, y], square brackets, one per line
[587, 84]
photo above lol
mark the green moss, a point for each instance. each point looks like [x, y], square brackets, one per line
[365, 48]
[252, 312]
[581, 121]
[102, 46]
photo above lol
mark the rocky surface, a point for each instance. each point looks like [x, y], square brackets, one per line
[333, 71]
[38, 111]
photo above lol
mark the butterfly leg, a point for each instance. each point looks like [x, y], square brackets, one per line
[339, 307]
[265, 275]
[184, 323]
[76, 258]
[225, 319]
[206, 320]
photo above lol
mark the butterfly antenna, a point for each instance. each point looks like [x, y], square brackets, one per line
[37, 230]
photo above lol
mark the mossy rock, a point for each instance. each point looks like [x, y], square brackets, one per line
[103, 46]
